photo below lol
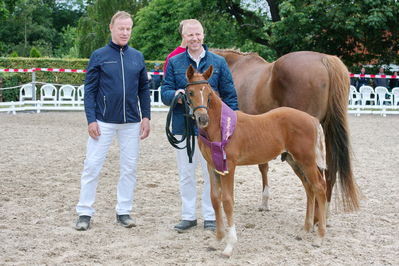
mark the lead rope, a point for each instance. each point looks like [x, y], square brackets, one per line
[189, 134]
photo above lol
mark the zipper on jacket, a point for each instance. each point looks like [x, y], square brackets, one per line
[105, 106]
[124, 87]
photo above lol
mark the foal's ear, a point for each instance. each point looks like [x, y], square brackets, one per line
[208, 73]
[190, 72]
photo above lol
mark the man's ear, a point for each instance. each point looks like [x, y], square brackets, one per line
[208, 73]
[190, 72]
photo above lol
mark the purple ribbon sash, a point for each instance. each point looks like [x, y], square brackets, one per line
[228, 123]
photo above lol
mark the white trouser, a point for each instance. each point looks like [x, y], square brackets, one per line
[188, 184]
[128, 138]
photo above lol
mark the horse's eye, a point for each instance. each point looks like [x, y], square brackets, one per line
[191, 93]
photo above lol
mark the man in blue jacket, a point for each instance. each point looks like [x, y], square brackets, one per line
[175, 81]
[116, 81]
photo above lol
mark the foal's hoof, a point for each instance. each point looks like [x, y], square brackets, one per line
[317, 242]
[227, 252]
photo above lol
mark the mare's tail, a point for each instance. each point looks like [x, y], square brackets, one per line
[336, 134]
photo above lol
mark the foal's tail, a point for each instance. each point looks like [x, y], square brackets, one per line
[336, 131]
[320, 148]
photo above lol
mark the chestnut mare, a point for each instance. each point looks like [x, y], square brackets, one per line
[312, 82]
[257, 139]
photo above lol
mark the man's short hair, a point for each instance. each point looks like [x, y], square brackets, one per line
[120, 15]
[187, 22]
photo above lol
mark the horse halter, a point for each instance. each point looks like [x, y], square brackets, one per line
[203, 81]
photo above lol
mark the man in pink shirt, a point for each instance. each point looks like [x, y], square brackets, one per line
[179, 49]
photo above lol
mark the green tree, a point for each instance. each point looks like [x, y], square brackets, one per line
[3, 10]
[155, 31]
[36, 23]
[358, 31]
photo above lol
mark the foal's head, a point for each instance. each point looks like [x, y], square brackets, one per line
[198, 93]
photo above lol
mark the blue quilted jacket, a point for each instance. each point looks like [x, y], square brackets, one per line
[116, 80]
[221, 81]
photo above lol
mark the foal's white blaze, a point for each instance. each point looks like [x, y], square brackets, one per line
[231, 239]
[202, 95]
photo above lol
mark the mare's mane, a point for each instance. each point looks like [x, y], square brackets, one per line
[234, 51]
[226, 52]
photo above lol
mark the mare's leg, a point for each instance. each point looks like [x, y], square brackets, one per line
[227, 184]
[264, 168]
[216, 198]
[310, 197]
[330, 186]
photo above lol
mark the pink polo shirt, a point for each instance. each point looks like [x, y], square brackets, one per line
[177, 51]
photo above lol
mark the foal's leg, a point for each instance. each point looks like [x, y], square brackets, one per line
[227, 184]
[310, 198]
[327, 208]
[216, 197]
[264, 168]
[318, 186]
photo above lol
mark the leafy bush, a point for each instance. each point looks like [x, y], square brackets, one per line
[34, 53]
[9, 80]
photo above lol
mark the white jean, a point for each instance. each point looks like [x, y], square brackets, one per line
[128, 138]
[187, 182]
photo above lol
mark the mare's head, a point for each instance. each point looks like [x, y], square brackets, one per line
[198, 92]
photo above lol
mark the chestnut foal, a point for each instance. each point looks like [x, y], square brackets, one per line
[256, 139]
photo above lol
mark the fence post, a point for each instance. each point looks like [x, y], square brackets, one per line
[33, 86]
[1, 92]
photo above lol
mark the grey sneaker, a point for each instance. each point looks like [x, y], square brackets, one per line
[83, 223]
[125, 220]
[184, 225]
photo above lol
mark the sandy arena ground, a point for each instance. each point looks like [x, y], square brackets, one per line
[41, 158]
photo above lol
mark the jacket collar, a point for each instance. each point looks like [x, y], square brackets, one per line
[205, 48]
[203, 59]
[117, 47]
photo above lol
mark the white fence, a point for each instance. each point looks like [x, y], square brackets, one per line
[37, 106]
[373, 109]
[53, 102]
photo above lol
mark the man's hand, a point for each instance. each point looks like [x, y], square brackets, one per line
[94, 130]
[144, 128]
[177, 92]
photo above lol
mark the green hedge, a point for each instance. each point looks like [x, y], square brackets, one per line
[15, 79]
